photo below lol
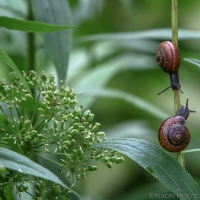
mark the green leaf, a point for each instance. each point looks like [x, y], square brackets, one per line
[22, 164]
[4, 123]
[131, 128]
[100, 75]
[193, 61]
[4, 57]
[156, 34]
[2, 195]
[57, 44]
[157, 163]
[30, 26]
[131, 98]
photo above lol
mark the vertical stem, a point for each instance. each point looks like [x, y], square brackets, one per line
[175, 22]
[180, 156]
[181, 159]
[31, 60]
[31, 44]
[177, 103]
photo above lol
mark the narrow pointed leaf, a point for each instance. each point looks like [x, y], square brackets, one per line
[22, 164]
[131, 98]
[157, 163]
[57, 44]
[3, 122]
[157, 34]
[30, 26]
[193, 61]
[5, 58]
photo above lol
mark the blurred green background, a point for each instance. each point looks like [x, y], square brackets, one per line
[119, 79]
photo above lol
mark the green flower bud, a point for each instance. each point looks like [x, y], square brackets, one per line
[80, 151]
[100, 134]
[67, 142]
[91, 118]
[78, 113]
[40, 136]
[68, 175]
[109, 164]
[112, 159]
[56, 189]
[78, 176]
[27, 138]
[119, 160]
[86, 113]
[72, 102]
[22, 188]
[91, 168]
[27, 124]
[95, 127]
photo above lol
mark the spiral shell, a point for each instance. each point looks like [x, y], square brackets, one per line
[167, 56]
[173, 134]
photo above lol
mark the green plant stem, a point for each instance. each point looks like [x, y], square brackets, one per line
[175, 41]
[31, 43]
[175, 22]
[31, 56]
[39, 155]
[191, 150]
[181, 159]
[177, 103]
[180, 155]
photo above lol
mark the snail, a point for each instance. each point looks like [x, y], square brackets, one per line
[168, 58]
[173, 134]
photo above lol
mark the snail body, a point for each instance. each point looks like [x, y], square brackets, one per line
[173, 134]
[168, 58]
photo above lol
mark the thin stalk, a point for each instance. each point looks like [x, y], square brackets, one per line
[35, 109]
[31, 44]
[48, 159]
[175, 22]
[191, 150]
[177, 104]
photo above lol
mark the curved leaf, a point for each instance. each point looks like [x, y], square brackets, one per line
[22, 164]
[100, 75]
[130, 128]
[3, 122]
[156, 34]
[193, 61]
[157, 163]
[4, 57]
[131, 98]
[30, 26]
[57, 44]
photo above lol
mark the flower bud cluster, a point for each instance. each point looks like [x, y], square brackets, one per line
[13, 180]
[44, 190]
[13, 93]
[50, 121]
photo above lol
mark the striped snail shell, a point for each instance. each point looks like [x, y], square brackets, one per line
[167, 56]
[173, 134]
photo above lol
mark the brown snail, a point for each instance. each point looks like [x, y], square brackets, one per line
[168, 58]
[173, 134]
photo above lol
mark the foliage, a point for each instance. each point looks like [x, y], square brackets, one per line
[154, 160]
